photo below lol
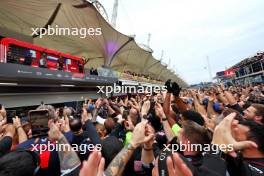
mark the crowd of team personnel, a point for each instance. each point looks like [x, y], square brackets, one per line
[136, 135]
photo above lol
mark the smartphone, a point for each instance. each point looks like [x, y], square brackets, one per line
[125, 114]
[39, 122]
[152, 103]
[10, 114]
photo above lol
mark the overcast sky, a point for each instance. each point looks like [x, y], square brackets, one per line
[190, 30]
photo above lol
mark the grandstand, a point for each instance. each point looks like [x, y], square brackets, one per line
[249, 70]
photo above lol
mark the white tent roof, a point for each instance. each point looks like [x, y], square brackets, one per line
[111, 49]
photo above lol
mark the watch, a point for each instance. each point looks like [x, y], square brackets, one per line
[164, 119]
[147, 149]
[130, 147]
[145, 116]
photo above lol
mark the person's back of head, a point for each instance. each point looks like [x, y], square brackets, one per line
[193, 116]
[19, 163]
[75, 125]
[197, 133]
[111, 146]
[109, 125]
[225, 113]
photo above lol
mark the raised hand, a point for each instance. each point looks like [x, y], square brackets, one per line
[94, 166]
[179, 168]
[175, 165]
[223, 136]
[145, 107]
[85, 116]
[54, 132]
[159, 111]
[139, 136]
[98, 103]
[135, 105]
[149, 131]
[16, 122]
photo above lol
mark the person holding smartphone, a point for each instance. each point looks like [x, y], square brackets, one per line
[3, 119]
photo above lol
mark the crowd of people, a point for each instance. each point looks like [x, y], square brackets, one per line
[143, 134]
[139, 77]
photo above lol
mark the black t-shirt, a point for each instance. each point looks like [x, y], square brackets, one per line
[79, 140]
[5, 145]
[204, 165]
[255, 164]
[136, 167]
[210, 165]
[245, 166]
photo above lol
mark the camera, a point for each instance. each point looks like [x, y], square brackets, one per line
[162, 162]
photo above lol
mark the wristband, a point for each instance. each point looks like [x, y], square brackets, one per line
[164, 119]
[147, 149]
[145, 116]
[19, 127]
[130, 147]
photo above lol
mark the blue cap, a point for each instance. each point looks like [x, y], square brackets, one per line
[91, 107]
[216, 106]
